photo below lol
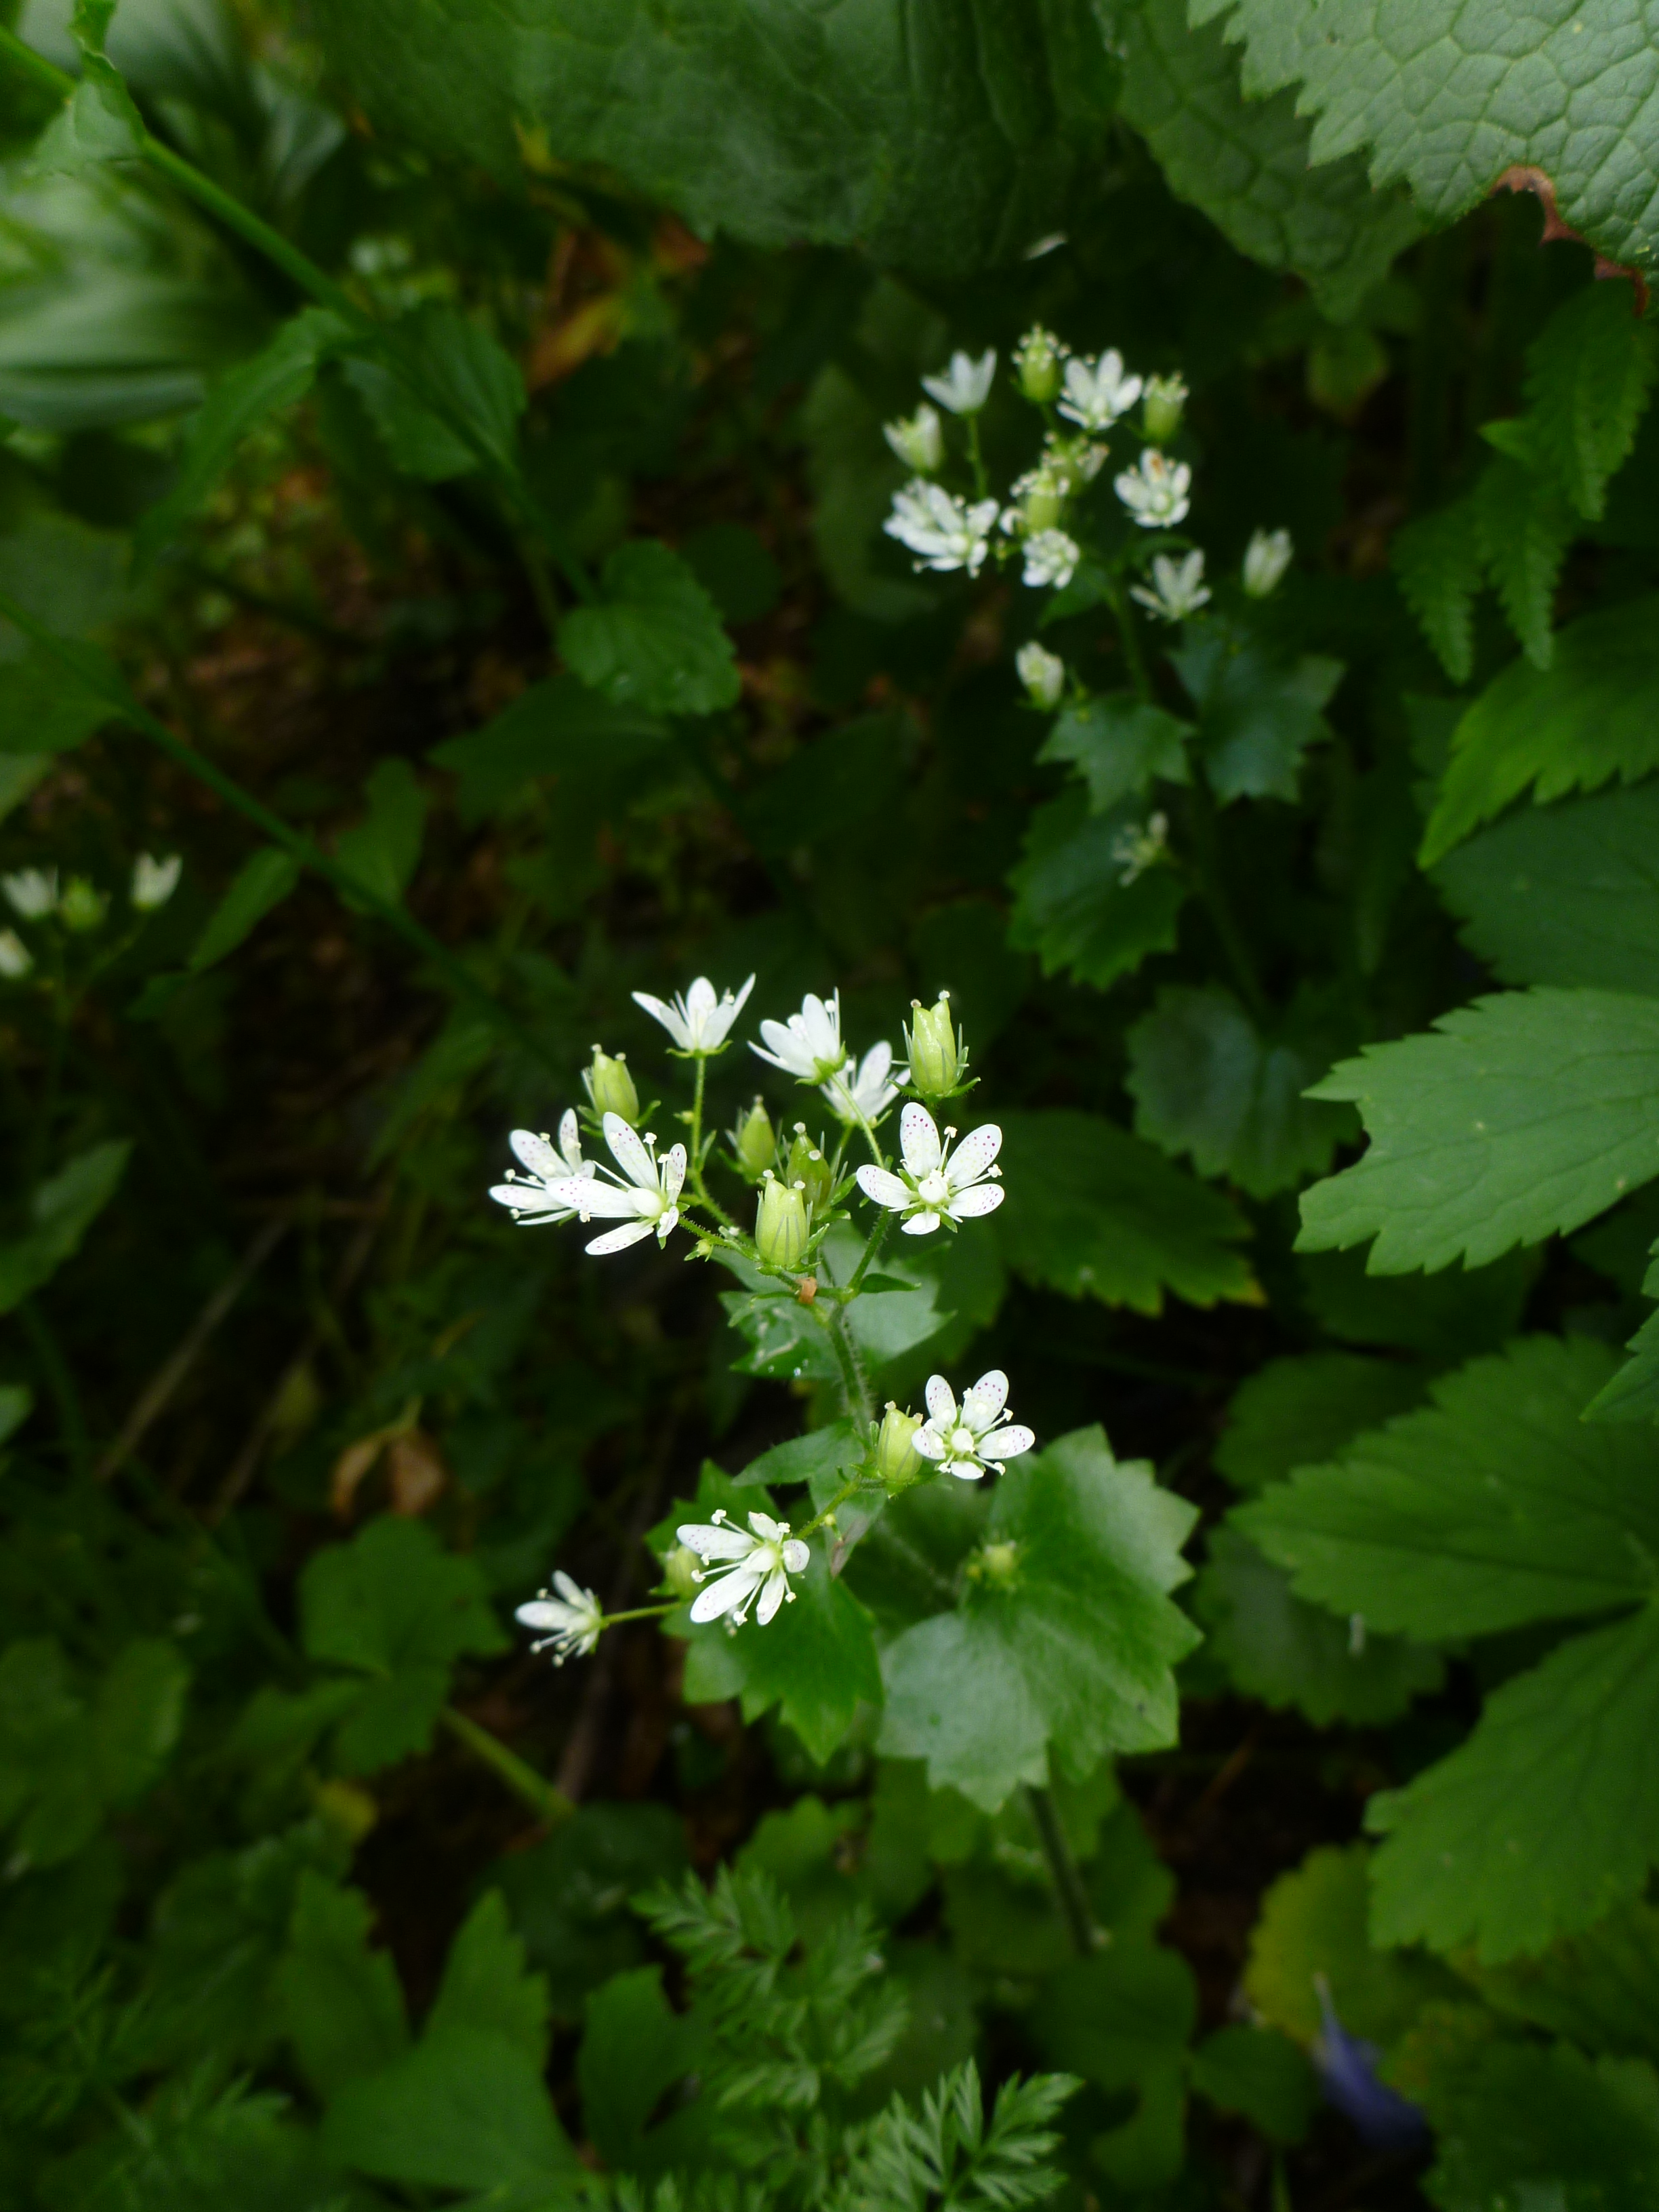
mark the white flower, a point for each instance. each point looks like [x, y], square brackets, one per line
[698, 1021]
[1041, 673]
[1155, 490]
[808, 1046]
[154, 882]
[15, 958]
[936, 1184]
[943, 531]
[1140, 847]
[571, 1621]
[1097, 391]
[1050, 558]
[551, 1167]
[1267, 557]
[32, 892]
[919, 440]
[646, 1200]
[965, 385]
[1179, 589]
[761, 1561]
[968, 1442]
[864, 1089]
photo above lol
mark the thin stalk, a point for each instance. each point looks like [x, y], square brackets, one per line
[976, 457]
[61, 1383]
[1134, 659]
[848, 1490]
[550, 1806]
[1233, 943]
[123, 708]
[1068, 1883]
[873, 1243]
[854, 1389]
[638, 1612]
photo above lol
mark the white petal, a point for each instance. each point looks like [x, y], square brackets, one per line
[965, 1470]
[777, 1588]
[985, 1399]
[884, 1188]
[629, 1151]
[874, 1068]
[668, 1016]
[919, 1139]
[535, 1153]
[929, 1443]
[673, 1172]
[546, 1614]
[570, 1143]
[941, 1401]
[921, 1224]
[587, 1195]
[725, 1595]
[618, 1240]
[796, 1556]
[701, 1001]
[765, 1528]
[529, 1198]
[714, 1539]
[1007, 1443]
[572, 1591]
[969, 1161]
[978, 1198]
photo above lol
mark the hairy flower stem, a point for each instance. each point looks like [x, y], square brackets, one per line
[854, 1389]
[873, 1243]
[549, 1805]
[1073, 1898]
[699, 1187]
[848, 1490]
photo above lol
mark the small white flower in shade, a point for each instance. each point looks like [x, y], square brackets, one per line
[935, 1183]
[808, 1045]
[918, 439]
[1178, 587]
[1051, 558]
[697, 1021]
[1041, 673]
[1155, 490]
[1097, 393]
[550, 1166]
[942, 531]
[154, 882]
[965, 385]
[15, 958]
[569, 1623]
[764, 1561]
[1140, 847]
[645, 1195]
[1267, 557]
[866, 1088]
[971, 1439]
[32, 893]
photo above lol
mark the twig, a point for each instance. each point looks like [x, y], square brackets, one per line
[157, 1394]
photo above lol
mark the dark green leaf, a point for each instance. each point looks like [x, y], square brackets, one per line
[262, 883]
[1590, 374]
[1257, 715]
[654, 642]
[1600, 1989]
[1525, 526]
[1438, 562]
[635, 2048]
[47, 706]
[1528, 2126]
[559, 728]
[485, 1984]
[339, 2000]
[61, 1211]
[1300, 1410]
[568, 1894]
[442, 393]
[466, 2109]
[1261, 2073]
[1314, 1927]
[1081, 901]
[1120, 745]
[381, 852]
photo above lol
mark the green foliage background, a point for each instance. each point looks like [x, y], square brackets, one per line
[440, 500]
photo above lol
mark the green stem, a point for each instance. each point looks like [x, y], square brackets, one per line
[1068, 1883]
[550, 1806]
[854, 1389]
[1234, 945]
[125, 708]
[61, 1384]
[840, 1499]
[639, 1613]
[1134, 660]
[976, 457]
[872, 1245]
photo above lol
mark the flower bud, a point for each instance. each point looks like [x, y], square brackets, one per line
[1267, 557]
[1036, 362]
[807, 1169]
[611, 1087]
[1041, 673]
[15, 958]
[1044, 502]
[154, 882]
[1162, 406]
[898, 1463]
[938, 1054]
[780, 1224]
[680, 1570]
[754, 1146]
[81, 907]
[919, 441]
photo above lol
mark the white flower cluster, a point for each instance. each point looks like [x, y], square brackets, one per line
[34, 895]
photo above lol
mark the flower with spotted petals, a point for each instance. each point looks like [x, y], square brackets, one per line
[808, 1045]
[568, 1617]
[698, 1022]
[531, 1195]
[935, 1183]
[762, 1561]
[645, 1196]
[971, 1439]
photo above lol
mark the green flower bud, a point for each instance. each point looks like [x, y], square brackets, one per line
[81, 907]
[611, 1087]
[1036, 360]
[753, 1144]
[1161, 408]
[780, 1224]
[807, 1167]
[679, 1571]
[1044, 503]
[938, 1054]
[898, 1462]
[997, 1564]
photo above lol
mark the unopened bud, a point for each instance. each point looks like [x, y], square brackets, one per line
[1161, 407]
[1041, 673]
[780, 1224]
[807, 1167]
[154, 882]
[898, 1462]
[754, 1146]
[938, 1054]
[1036, 362]
[679, 1571]
[15, 958]
[611, 1087]
[918, 439]
[81, 907]
[1267, 557]
[1044, 502]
